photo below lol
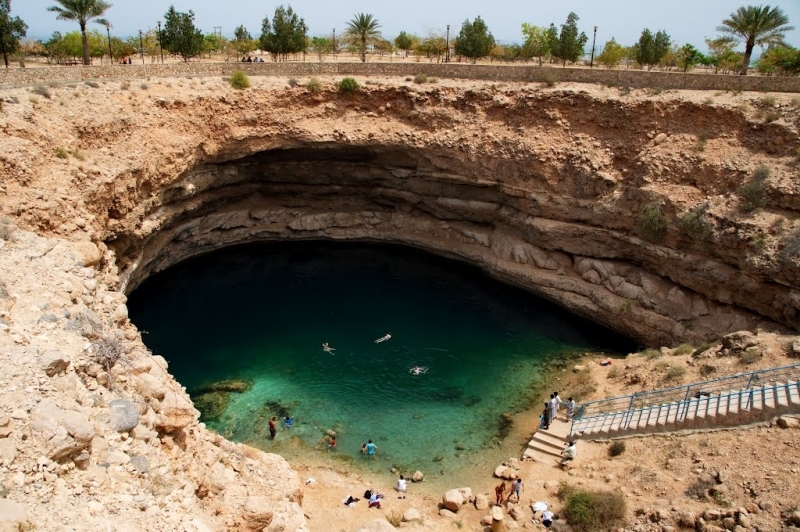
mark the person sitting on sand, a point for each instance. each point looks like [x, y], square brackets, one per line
[374, 501]
[569, 453]
[401, 484]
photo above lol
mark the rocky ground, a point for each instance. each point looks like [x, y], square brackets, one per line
[95, 433]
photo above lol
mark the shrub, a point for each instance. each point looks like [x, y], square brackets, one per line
[313, 86]
[651, 354]
[144, 86]
[701, 487]
[767, 101]
[549, 79]
[702, 140]
[706, 370]
[41, 90]
[588, 511]
[420, 78]
[292, 82]
[675, 373]
[348, 86]
[754, 191]
[653, 223]
[694, 225]
[748, 356]
[61, 153]
[616, 448]
[683, 349]
[758, 241]
[92, 84]
[395, 519]
[433, 80]
[772, 116]
[702, 348]
[78, 154]
[239, 80]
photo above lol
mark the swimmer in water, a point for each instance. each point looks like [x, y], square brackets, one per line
[327, 348]
[383, 338]
[418, 370]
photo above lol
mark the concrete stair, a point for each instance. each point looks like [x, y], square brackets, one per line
[546, 445]
[701, 411]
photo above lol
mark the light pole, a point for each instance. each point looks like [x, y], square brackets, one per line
[141, 46]
[591, 61]
[447, 46]
[160, 46]
[108, 32]
[333, 43]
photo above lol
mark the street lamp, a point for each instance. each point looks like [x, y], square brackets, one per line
[141, 46]
[447, 46]
[160, 46]
[591, 61]
[333, 43]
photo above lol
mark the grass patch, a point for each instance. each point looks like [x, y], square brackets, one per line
[582, 384]
[314, 86]
[549, 79]
[421, 78]
[767, 101]
[653, 223]
[626, 307]
[62, 153]
[348, 86]
[41, 90]
[753, 193]
[239, 80]
[675, 373]
[683, 349]
[771, 116]
[749, 356]
[651, 354]
[701, 142]
[706, 370]
[616, 448]
[758, 242]
[588, 511]
[395, 519]
[92, 84]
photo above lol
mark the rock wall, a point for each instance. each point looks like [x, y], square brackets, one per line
[499, 72]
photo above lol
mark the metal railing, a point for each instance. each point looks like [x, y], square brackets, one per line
[681, 395]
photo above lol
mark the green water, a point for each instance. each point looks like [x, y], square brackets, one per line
[262, 311]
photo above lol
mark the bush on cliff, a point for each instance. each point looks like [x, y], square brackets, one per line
[653, 223]
[239, 80]
[348, 86]
[587, 511]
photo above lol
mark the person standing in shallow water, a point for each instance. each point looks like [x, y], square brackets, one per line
[371, 448]
[272, 429]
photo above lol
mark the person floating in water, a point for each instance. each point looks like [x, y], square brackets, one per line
[383, 338]
[288, 422]
[327, 348]
[418, 370]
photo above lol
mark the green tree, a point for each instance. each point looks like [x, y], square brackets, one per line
[536, 42]
[404, 42]
[780, 60]
[552, 41]
[474, 40]
[121, 49]
[570, 42]
[612, 55]
[180, 36]
[722, 56]
[287, 34]
[651, 49]
[434, 45]
[243, 42]
[689, 56]
[83, 11]
[12, 30]
[755, 25]
[363, 28]
[321, 46]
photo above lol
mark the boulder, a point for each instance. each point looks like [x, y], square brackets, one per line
[140, 432]
[53, 362]
[140, 464]
[378, 525]
[13, 516]
[444, 512]
[661, 137]
[257, 514]
[175, 412]
[150, 387]
[787, 422]
[505, 472]
[452, 500]
[411, 514]
[481, 501]
[64, 433]
[516, 513]
[86, 253]
[417, 477]
[8, 451]
[124, 415]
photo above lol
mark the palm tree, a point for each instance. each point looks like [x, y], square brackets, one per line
[83, 11]
[363, 27]
[755, 25]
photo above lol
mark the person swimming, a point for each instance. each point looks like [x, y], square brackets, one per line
[418, 370]
[327, 348]
[383, 338]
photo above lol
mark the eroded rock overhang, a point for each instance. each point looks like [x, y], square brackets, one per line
[562, 245]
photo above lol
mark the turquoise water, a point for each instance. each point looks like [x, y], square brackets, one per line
[262, 311]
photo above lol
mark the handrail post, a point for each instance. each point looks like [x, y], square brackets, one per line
[685, 403]
[628, 413]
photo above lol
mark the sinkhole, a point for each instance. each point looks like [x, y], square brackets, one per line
[243, 329]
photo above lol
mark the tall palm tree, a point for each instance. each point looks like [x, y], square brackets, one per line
[83, 11]
[755, 25]
[363, 27]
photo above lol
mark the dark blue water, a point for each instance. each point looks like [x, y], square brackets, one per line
[262, 312]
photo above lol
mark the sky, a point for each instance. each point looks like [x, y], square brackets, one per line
[686, 21]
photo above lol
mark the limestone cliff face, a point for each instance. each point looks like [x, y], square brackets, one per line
[545, 189]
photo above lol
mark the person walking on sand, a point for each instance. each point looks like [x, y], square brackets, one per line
[499, 492]
[272, 430]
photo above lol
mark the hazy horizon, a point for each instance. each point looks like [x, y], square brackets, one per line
[684, 20]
